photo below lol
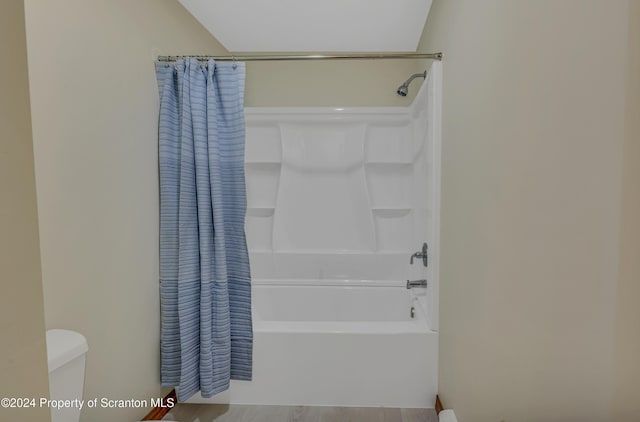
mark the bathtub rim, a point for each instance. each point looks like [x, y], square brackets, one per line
[317, 282]
[421, 324]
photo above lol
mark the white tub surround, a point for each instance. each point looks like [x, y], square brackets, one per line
[349, 345]
[338, 201]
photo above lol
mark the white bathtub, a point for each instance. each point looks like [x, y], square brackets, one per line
[340, 343]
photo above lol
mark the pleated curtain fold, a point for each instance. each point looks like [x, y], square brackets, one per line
[205, 282]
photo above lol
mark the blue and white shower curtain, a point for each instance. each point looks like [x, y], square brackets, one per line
[205, 287]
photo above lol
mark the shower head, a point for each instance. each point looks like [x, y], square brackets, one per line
[403, 89]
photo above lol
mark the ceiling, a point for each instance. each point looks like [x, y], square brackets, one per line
[318, 25]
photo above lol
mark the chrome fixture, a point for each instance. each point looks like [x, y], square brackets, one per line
[432, 56]
[412, 313]
[422, 255]
[416, 283]
[403, 89]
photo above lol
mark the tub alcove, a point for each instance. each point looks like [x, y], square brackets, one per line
[338, 200]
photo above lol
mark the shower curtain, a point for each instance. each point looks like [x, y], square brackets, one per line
[205, 292]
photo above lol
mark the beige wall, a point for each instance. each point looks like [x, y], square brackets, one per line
[627, 358]
[23, 358]
[531, 191]
[95, 111]
[534, 106]
[94, 106]
[330, 83]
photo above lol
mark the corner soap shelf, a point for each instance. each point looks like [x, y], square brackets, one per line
[389, 163]
[391, 212]
[260, 211]
[266, 165]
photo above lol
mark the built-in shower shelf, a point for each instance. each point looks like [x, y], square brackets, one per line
[262, 179]
[260, 211]
[393, 251]
[389, 163]
[390, 212]
[263, 165]
[323, 252]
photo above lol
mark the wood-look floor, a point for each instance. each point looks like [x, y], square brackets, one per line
[241, 413]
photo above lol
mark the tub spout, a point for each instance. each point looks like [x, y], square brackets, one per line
[416, 283]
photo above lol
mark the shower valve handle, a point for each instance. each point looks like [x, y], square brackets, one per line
[421, 254]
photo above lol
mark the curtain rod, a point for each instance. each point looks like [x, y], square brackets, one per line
[434, 56]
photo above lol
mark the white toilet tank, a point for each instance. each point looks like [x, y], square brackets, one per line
[66, 351]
